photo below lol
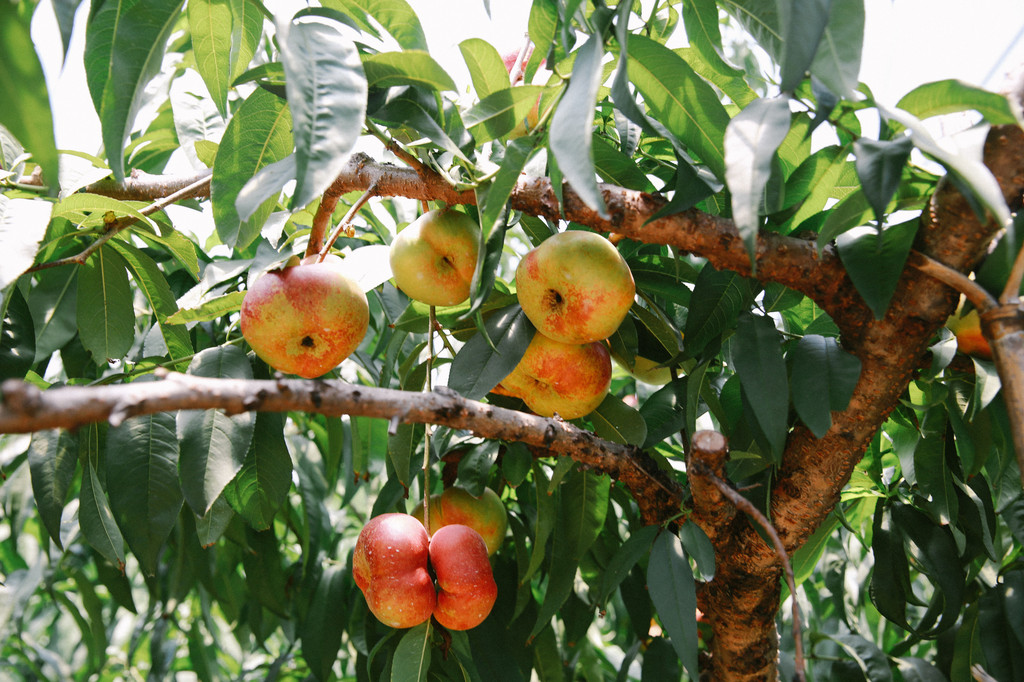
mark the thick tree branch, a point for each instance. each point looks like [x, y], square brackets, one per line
[26, 409]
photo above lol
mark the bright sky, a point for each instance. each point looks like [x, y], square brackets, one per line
[908, 42]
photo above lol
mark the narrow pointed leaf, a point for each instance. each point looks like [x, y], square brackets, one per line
[875, 261]
[22, 226]
[412, 655]
[97, 521]
[52, 460]
[820, 368]
[952, 96]
[149, 278]
[25, 105]
[478, 367]
[680, 99]
[106, 317]
[213, 445]
[327, 92]
[966, 163]
[570, 137]
[762, 370]
[616, 421]
[210, 22]
[869, 658]
[674, 592]
[387, 69]
[804, 26]
[717, 299]
[17, 338]
[142, 483]
[259, 489]
[321, 628]
[837, 60]
[880, 166]
[486, 69]
[750, 143]
[396, 16]
[124, 47]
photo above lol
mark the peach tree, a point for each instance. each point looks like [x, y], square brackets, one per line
[797, 468]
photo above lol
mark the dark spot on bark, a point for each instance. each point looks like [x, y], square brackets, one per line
[316, 398]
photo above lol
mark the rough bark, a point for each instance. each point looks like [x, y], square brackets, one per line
[25, 409]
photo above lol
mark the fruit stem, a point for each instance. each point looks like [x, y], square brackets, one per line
[1011, 291]
[426, 427]
[347, 220]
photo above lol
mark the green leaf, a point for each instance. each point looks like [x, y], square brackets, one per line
[852, 211]
[875, 261]
[142, 483]
[751, 139]
[52, 303]
[261, 486]
[583, 504]
[674, 593]
[17, 338]
[246, 31]
[212, 309]
[486, 68]
[636, 546]
[804, 26]
[918, 670]
[321, 628]
[702, 29]
[210, 22]
[938, 559]
[664, 412]
[91, 210]
[967, 163]
[412, 655]
[410, 67]
[837, 61]
[327, 93]
[22, 226]
[698, 546]
[717, 299]
[478, 366]
[570, 138]
[496, 195]
[106, 317]
[52, 460]
[213, 445]
[25, 106]
[500, 112]
[757, 355]
[880, 166]
[952, 96]
[819, 369]
[871, 660]
[151, 281]
[124, 47]
[258, 135]
[212, 525]
[616, 421]
[97, 520]
[547, 513]
[680, 99]
[397, 17]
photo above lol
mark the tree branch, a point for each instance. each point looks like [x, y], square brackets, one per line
[26, 409]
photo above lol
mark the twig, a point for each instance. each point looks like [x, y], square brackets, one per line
[25, 409]
[699, 468]
[321, 221]
[975, 293]
[1011, 292]
[122, 223]
[345, 222]
[426, 430]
